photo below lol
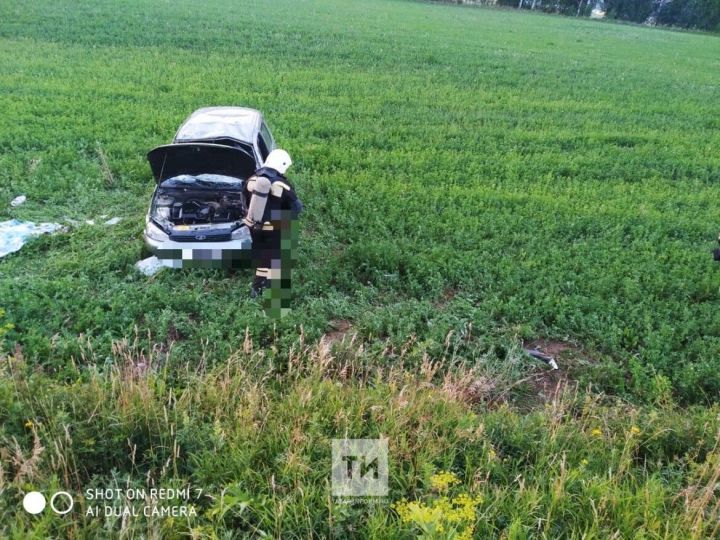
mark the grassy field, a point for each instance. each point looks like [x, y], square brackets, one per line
[473, 179]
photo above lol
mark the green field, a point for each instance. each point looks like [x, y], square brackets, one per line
[473, 179]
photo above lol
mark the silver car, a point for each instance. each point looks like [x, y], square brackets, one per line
[196, 212]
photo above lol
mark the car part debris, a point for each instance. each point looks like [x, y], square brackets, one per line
[113, 221]
[549, 360]
[17, 201]
[15, 233]
[150, 266]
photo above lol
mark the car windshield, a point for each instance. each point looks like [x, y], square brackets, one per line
[213, 181]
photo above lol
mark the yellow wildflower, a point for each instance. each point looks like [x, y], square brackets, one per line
[441, 514]
[464, 507]
[29, 424]
[635, 430]
[584, 461]
[596, 432]
[418, 513]
[442, 480]
[467, 534]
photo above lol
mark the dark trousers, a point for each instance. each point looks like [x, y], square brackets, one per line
[274, 255]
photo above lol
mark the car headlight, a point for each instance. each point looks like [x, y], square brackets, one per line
[155, 232]
[240, 233]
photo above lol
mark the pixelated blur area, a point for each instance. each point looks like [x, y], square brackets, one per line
[276, 250]
[206, 258]
[276, 299]
[274, 253]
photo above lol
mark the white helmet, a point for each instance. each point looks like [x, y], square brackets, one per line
[278, 160]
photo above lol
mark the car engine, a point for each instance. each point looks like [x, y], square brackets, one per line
[184, 207]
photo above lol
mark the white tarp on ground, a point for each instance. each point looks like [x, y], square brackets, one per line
[15, 233]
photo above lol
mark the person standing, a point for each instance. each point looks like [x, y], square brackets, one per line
[272, 215]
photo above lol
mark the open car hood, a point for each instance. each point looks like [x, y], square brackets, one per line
[173, 160]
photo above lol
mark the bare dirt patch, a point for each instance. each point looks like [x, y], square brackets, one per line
[173, 334]
[547, 384]
[340, 329]
[447, 297]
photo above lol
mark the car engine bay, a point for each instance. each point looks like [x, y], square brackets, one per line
[178, 206]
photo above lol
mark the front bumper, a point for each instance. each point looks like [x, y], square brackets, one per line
[231, 253]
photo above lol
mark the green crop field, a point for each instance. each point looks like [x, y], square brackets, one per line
[474, 180]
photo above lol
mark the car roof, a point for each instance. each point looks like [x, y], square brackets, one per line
[238, 123]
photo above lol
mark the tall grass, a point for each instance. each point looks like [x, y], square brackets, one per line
[255, 436]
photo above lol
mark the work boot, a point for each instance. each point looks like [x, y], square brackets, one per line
[258, 285]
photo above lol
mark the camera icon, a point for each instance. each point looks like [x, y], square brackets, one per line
[61, 502]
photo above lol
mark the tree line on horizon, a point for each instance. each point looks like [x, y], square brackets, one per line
[692, 14]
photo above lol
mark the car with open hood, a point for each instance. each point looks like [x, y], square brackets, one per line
[197, 208]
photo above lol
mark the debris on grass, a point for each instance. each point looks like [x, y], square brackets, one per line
[549, 360]
[150, 266]
[546, 385]
[544, 349]
[15, 233]
[17, 201]
[111, 221]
